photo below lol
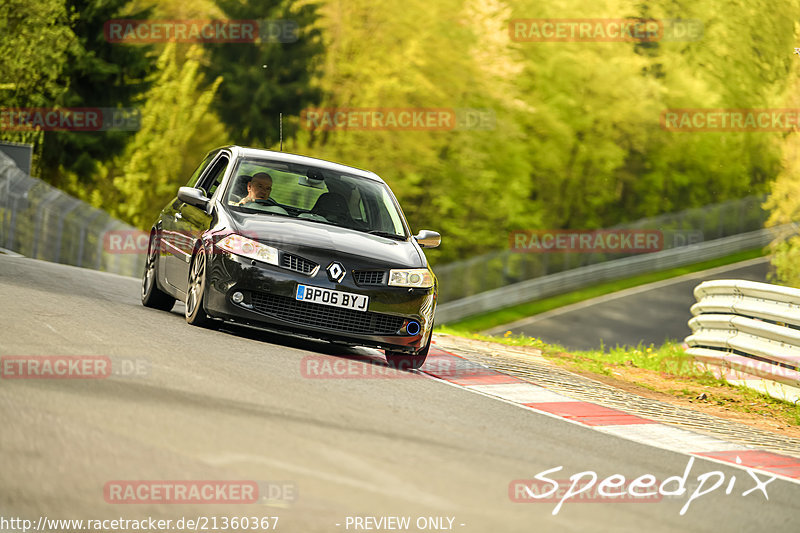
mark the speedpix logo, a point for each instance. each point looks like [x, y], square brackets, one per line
[586, 487]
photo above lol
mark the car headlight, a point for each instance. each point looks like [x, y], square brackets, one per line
[236, 244]
[413, 277]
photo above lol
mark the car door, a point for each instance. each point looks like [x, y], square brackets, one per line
[166, 224]
[189, 222]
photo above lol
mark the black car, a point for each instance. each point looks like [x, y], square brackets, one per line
[297, 244]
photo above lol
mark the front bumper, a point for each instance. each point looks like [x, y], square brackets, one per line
[269, 301]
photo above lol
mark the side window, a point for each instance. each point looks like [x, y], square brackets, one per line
[213, 177]
[199, 170]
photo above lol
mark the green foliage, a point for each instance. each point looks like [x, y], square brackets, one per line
[469, 184]
[599, 154]
[263, 79]
[784, 203]
[169, 145]
[97, 74]
[36, 41]
[575, 142]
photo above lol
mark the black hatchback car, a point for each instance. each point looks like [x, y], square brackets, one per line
[297, 244]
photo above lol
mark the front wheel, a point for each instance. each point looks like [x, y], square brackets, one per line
[195, 311]
[409, 361]
[152, 296]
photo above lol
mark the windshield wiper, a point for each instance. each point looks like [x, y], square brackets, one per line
[386, 234]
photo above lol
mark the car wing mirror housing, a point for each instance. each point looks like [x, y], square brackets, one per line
[195, 197]
[428, 239]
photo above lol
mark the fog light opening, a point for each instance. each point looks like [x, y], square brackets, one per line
[237, 297]
[413, 327]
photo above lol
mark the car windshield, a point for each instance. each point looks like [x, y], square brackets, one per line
[315, 194]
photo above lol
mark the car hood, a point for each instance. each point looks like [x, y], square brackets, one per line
[317, 239]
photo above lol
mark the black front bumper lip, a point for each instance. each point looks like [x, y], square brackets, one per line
[230, 273]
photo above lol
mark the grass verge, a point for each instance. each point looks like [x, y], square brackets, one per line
[667, 369]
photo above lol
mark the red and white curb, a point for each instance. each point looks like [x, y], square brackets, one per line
[479, 379]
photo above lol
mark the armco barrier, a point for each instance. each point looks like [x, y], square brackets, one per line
[577, 278]
[42, 222]
[494, 270]
[749, 334]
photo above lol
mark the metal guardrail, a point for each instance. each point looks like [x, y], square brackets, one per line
[20, 153]
[748, 333]
[494, 270]
[577, 278]
[42, 222]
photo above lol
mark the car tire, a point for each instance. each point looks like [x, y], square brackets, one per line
[195, 293]
[152, 296]
[408, 361]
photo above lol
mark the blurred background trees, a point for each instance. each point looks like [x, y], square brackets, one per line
[96, 74]
[36, 39]
[274, 75]
[574, 139]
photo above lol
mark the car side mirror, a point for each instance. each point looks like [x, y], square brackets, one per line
[195, 197]
[428, 239]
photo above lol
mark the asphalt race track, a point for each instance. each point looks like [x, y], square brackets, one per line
[235, 404]
[649, 314]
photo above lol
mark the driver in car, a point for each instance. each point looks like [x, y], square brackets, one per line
[258, 188]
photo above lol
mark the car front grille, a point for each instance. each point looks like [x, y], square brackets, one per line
[369, 277]
[326, 316]
[298, 264]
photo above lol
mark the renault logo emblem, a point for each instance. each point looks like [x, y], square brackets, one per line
[336, 272]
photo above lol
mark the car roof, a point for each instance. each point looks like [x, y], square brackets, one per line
[243, 151]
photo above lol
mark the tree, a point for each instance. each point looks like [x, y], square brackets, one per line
[470, 183]
[263, 79]
[36, 41]
[784, 202]
[97, 73]
[154, 164]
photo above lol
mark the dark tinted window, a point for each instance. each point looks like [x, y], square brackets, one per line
[199, 170]
[318, 195]
[213, 177]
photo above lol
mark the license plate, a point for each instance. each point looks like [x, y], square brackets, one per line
[318, 295]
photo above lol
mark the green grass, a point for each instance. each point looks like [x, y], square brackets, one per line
[669, 360]
[510, 314]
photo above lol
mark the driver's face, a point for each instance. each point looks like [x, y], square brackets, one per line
[259, 188]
